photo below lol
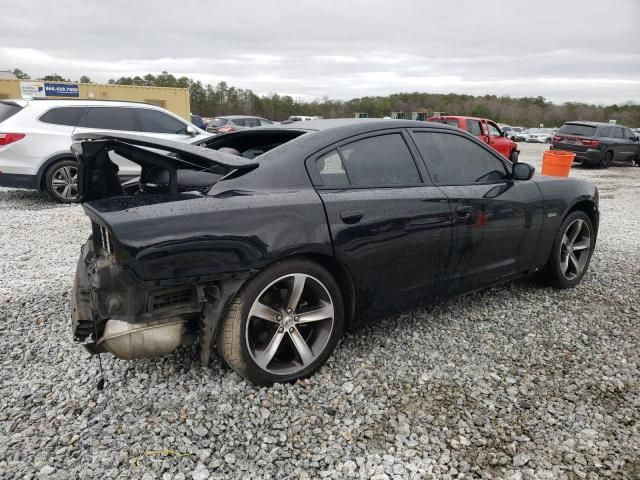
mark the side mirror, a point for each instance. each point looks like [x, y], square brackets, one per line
[191, 131]
[522, 171]
[505, 134]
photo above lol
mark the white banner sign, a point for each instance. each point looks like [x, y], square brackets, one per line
[32, 89]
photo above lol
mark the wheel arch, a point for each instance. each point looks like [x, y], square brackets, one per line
[587, 206]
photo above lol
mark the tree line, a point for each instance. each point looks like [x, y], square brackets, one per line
[223, 99]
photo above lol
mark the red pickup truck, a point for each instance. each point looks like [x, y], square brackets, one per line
[484, 130]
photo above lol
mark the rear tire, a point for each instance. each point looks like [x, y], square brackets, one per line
[284, 323]
[571, 252]
[61, 181]
[514, 157]
[606, 160]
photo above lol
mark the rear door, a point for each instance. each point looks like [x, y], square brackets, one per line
[111, 120]
[620, 146]
[497, 220]
[390, 226]
[629, 149]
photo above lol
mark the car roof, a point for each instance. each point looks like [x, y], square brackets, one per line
[592, 124]
[359, 125]
[65, 102]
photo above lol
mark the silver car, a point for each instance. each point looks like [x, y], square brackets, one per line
[540, 135]
[35, 139]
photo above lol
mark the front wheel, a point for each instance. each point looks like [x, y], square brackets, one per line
[514, 157]
[571, 252]
[284, 324]
[61, 181]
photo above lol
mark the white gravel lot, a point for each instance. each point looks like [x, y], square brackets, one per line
[520, 381]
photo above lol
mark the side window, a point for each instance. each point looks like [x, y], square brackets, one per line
[628, 134]
[239, 122]
[63, 116]
[455, 160]
[474, 127]
[384, 160]
[264, 121]
[108, 118]
[617, 132]
[493, 130]
[154, 121]
[605, 132]
[332, 171]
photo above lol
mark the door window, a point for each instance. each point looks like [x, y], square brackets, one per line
[493, 130]
[628, 134]
[605, 132]
[153, 121]
[474, 127]
[264, 121]
[456, 160]
[617, 132]
[384, 160]
[332, 171]
[63, 116]
[108, 118]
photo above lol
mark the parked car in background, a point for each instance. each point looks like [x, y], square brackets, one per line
[301, 118]
[274, 262]
[485, 130]
[198, 121]
[520, 136]
[35, 138]
[598, 144]
[232, 123]
[539, 135]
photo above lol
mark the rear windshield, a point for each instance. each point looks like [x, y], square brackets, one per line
[8, 109]
[577, 129]
[218, 122]
[452, 122]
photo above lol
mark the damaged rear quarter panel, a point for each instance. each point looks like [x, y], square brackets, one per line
[188, 237]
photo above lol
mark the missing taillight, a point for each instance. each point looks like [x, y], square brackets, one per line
[7, 138]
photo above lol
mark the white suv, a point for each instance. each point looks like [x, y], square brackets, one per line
[35, 139]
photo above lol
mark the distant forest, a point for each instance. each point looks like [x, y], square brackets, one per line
[223, 99]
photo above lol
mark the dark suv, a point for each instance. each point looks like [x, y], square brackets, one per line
[597, 144]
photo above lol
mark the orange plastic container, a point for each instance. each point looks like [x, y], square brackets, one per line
[556, 163]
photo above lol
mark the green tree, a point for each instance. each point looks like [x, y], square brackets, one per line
[85, 79]
[20, 74]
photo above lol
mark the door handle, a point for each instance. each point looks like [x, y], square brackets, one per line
[464, 211]
[351, 216]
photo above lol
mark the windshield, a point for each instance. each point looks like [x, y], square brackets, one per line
[577, 129]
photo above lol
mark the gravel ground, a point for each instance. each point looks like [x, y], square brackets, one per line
[520, 381]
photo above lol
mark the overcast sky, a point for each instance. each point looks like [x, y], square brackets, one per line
[563, 50]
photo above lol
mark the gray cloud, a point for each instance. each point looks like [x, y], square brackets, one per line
[564, 51]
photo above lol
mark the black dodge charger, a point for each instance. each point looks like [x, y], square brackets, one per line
[269, 243]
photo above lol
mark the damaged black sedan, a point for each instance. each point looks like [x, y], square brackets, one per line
[268, 244]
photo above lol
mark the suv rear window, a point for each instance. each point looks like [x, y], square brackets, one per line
[577, 129]
[8, 109]
[108, 118]
[63, 116]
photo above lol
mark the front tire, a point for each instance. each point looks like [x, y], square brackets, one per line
[61, 181]
[284, 323]
[514, 157]
[572, 251]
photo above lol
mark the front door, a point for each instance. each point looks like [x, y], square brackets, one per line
[497, 141]
[389, 225]
[497, 221]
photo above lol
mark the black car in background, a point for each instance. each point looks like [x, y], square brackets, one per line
[597, 144]
[334, 223]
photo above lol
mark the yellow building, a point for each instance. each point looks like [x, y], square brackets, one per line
[173, 99]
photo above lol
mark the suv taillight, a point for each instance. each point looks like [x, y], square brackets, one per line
[556, 138]
[591, 143]
[7, 138]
